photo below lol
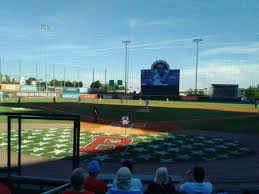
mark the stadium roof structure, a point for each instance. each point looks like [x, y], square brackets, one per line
[224, 85]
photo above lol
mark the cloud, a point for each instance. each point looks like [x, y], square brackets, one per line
[137, 22]
[244, 75]
[250, 48]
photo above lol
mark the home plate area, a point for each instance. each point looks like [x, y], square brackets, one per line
[162, 147]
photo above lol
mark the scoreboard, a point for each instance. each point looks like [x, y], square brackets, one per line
[160, 80]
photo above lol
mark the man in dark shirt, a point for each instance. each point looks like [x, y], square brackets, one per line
[95, 114]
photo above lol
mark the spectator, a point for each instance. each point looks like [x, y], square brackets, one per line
[4, 189]
[123, 183]
[162, 183]
[77, 183]
[198, 186]
[92, 183]
[136, 183]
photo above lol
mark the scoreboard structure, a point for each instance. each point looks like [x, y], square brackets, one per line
[160, 79]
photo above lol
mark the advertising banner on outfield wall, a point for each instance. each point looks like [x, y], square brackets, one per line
[67, 95]
[107, 96]
[123, 96]
[83, 90]
[70, 93]
[191, 98]
[28, 88]
[70, 90]
[35, 94]
[88, 96]
[10, 87]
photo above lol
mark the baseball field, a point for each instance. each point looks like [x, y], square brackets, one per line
[154, 134]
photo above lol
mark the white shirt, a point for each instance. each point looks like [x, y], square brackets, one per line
[196, 188]
[135, 184]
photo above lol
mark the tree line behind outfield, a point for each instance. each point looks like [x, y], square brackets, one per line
[252, 92]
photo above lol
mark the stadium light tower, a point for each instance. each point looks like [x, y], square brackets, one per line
[197, 40]
[126, 42]
[0, 70]
[20, 70]
[45, 28]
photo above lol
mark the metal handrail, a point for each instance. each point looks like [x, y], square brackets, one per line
[57, 189]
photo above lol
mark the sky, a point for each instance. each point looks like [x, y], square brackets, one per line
[87, 34]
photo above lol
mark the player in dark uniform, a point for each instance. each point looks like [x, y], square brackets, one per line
[95, 114]
[19, 100]
[147, 103]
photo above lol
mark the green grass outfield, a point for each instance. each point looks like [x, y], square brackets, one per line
[229, 117]
[135, 102]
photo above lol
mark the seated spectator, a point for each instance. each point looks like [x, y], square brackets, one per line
[162, 183]
[77, 183]
[91, 182]
[136, 182]
[123, 183]
[4, 189]
[198, 185]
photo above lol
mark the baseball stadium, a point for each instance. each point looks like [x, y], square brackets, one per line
[90, 88]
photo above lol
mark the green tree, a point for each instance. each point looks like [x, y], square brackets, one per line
[252, 92]
[122, 87]
[29, 80]
[96, 84]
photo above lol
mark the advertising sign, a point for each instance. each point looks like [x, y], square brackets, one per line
[10, 87]
[35, 94]
[67, 95]
[71, 90]
[88, 96]
[83, 90]
[107, 96]
[28, 88]
[190, 98]
[111, 82]
[119, 82]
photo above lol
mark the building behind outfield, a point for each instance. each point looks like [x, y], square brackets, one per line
[225, 91]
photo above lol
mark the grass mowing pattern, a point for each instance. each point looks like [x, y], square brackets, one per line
[163, 147]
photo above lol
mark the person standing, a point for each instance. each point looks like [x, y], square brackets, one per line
[95, 114]
[54, 98]
[147, 104]
[79, 99]
[19, 100]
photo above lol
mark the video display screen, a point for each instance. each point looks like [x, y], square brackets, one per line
[160, 77]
